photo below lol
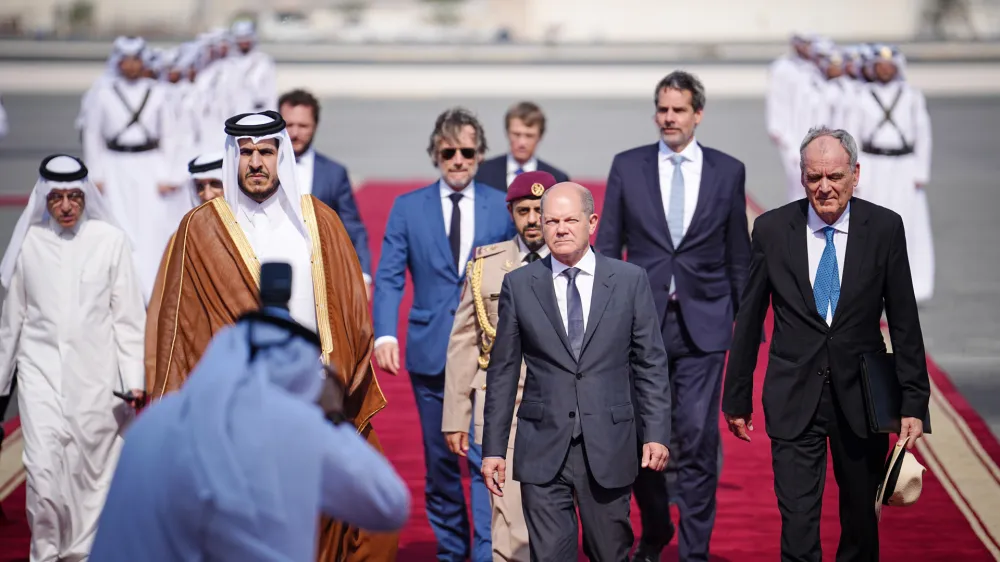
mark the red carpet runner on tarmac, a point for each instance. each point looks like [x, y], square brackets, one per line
[955, 519]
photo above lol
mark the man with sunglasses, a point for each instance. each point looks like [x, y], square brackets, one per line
[71, 326]
[432, 232]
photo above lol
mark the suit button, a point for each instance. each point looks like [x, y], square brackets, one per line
[452, 312]
[579, 376]
[572, 414]
[484, 387]
[820, 373]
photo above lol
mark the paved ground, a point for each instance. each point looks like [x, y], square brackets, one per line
[387, 139]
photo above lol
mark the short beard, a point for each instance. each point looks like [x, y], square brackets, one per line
[532, 246]
[259, 196]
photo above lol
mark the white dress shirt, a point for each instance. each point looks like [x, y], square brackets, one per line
[272, 232]
[523, 251]
[467, 206]
[304, 166]
[816, 243]
[584, 284]
[690, 170]
[512, 166]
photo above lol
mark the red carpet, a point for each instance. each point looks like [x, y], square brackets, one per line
[747, 525]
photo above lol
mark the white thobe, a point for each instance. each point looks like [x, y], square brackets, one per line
[131, 179]
[258, 83]
[215, 104]
[891, 181]
[272, 233]
[72, 325]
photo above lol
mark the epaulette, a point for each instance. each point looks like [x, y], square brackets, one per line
[488, 250]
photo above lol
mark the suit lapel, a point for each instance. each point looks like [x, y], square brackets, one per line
[854, 258]
[481, 217]
[317, 178]
[544, 289]
[603, 288]
[651, 168]
[707, 189]
[798, 255]
[435, 223]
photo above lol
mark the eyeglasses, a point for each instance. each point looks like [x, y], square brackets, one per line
[449, 153]
[75, 197]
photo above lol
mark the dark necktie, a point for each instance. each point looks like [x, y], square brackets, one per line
[532, 257]
[574, 320]
[574, 312]
[455, 232]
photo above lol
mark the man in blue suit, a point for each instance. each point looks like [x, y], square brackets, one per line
[432, 232]
[323, 177]
[679, 210]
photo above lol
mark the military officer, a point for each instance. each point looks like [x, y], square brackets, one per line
[471, 342]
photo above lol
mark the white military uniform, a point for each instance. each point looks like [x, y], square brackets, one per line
[258, 86]
[129, 145]
[894, 131]
[72, 326]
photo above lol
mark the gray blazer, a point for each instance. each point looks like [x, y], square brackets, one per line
[622, 334]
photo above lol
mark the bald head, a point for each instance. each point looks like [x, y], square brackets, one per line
[570, 189]
[568, 221]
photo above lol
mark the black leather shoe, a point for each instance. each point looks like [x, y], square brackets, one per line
[646, 552]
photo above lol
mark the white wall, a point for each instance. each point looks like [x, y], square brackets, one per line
[720, 20]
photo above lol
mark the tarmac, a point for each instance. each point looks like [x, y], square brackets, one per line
[387, 139]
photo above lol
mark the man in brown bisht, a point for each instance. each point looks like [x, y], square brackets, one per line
[212, 277]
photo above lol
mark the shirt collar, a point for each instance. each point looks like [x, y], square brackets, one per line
[523, 250]
[587, 264]
[306, 157]
[691, 152]
[816, 224]
[468, 191]
[530, 166]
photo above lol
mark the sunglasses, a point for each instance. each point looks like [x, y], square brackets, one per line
[449, 153]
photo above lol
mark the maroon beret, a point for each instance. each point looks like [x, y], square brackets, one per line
[530, 184]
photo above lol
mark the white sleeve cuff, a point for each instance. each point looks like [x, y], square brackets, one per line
[385, 339]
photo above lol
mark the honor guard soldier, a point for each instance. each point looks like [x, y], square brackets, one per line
[472, 339]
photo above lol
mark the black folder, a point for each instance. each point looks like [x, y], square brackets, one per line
[882, 393]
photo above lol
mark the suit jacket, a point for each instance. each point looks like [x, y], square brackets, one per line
[464, 375]
[622, 334]
[415, 239]
[493, 172]
[710, 266]
[804, 349]
[332, 186]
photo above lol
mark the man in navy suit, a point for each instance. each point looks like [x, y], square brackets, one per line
[679, 209]
[323, 177]
[525, 125]
[432, 232]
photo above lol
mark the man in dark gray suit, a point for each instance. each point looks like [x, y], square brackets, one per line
[581, 322]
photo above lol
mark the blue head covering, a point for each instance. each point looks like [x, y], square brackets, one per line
[224, 400]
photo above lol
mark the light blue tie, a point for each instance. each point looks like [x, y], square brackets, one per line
[826, 288]
[675, 217]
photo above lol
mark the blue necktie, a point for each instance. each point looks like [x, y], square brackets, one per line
[574, 320]
[675, 218]
[826, 288]
[518, 172]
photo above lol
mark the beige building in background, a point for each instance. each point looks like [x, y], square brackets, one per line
[588, 21]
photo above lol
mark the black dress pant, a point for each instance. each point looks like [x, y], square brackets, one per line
[800, 475]
[696, 384]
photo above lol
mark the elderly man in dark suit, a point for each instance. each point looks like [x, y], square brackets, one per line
[679, 209]
[595, 369]
[525, 126]
[323, 177]
[828, 264]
